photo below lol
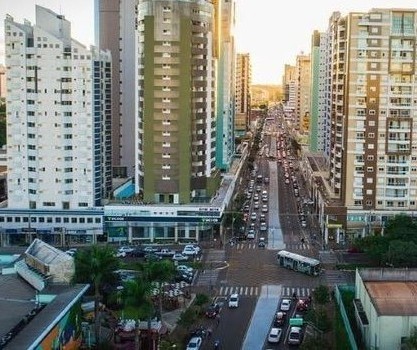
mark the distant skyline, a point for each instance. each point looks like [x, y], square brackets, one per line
[272, 33]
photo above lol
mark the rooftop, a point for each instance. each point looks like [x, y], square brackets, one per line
[393, 298]
[18, 299]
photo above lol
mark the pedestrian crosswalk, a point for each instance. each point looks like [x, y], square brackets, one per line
[252, 291]
[243, 291]
[289, 246]
[241, 246]
[301, 292]
[297, 246]
[207, 278]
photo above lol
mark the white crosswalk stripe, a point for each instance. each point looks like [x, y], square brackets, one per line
[241, 246]
[301, 292]
[297, 246]
[241, 290]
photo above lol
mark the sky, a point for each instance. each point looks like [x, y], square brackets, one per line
[273, 32]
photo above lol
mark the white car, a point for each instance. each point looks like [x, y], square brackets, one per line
[234, 300]
[294, 337]
[179, 257]
[195, 246]
[285, 304]
[125, 249]
[274, 335]
[194, 343]
[189, 250]
[251, 234]
[185, 269]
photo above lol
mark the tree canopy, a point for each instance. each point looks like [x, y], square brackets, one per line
[397, 247]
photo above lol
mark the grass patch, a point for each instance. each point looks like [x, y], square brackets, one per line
[341, 338]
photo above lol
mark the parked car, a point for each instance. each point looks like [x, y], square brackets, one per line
[137, 253]
[194, 343]
[125, 249]
[189, 250]
[165, 252]
[285, 304]
[212, 310]
[179, 257]
[150, 249]
[294, 337]
[195, 246]
[183, 277]
[234, 300]
[274, 335]
[152, 257]
[185, 269]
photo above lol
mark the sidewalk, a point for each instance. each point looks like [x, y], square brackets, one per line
[171, 318]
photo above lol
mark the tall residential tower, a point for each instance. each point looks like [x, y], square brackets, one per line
[243, 83]
[176, 105]
[58, 116]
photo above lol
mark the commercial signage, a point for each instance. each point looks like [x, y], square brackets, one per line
[162, 219]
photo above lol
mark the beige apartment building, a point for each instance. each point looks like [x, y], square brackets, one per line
[243, 97]
[373, 111]
[302, 73]
[2, 81]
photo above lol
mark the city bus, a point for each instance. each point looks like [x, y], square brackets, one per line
[299, 263]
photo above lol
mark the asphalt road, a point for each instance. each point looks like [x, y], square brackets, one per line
[249, 269]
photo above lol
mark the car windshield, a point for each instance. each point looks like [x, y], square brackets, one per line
[233, 299]
[294, 335]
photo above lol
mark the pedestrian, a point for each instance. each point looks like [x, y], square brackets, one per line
[218, 319]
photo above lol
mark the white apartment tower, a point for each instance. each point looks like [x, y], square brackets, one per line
[58, 116]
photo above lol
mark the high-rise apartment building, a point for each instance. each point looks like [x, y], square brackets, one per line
[2, 81]
[176, 107]
[58, 116]
[290, 90]
[115, 31]
[372, 110]
[302, 109]
[243, 83]
[225, 124]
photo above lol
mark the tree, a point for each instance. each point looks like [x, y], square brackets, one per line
[321, 295]
[411, 341]
[314, 343]
[137, 294]
[95, 265]
[160, 271]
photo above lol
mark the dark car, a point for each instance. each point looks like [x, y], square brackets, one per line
[212, 310]
[152, 257]
[137, 253]
[183, 277]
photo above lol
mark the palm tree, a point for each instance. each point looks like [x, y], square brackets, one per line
[95, 265]
[160, 271]
[137, 294]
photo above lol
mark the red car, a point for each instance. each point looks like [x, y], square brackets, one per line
[302, 305]
[212, 310]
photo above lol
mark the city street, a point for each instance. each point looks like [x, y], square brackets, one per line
[252, 271]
